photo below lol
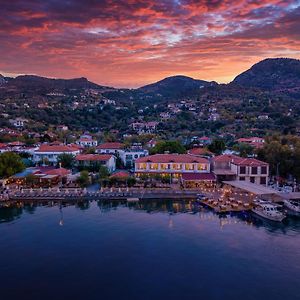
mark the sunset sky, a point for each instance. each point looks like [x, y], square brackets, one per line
[129, 43]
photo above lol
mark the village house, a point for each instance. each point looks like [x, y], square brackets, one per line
[96, 160]
[204, 141]
[86, 141]
[50, 153]
[255, 142]
[18, 122]
[151, 144]
[110, 148]
[62, 128]
[144, 127]
[3, 148]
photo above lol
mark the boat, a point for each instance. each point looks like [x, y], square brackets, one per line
[269, 211]
[133, 199]
[201, 197]
[292, 205]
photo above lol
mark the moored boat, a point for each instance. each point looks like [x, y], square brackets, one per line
[269, 211]
[292, 205]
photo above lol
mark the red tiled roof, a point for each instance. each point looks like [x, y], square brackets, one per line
[204, 138]
[60, 172]
[250, 162]
[93, 157]
[176, 158]
[198, 176]
[226, 158]
[199, 151]
[120, 174]
[56, 148]
[111, 146]
[16, 143]
[86, 140]
[2, 146]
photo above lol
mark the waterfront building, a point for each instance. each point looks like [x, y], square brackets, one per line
[171, 164]
[233, 167]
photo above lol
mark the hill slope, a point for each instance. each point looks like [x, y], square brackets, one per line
[32, 82]
[175, 85]
[272, 74]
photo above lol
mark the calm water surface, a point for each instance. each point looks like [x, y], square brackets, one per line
[152, 250]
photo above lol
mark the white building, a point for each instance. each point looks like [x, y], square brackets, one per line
[110, 148]
[50, 153]
[129, 156]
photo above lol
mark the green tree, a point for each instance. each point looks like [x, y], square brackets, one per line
[83, 180]
[10, 164]
[168, 146]
[244, 149]
[217, 146]
[66, 160]
[103, 173]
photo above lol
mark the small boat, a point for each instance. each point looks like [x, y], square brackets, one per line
[269, 211]
[133, 199]
[292, 205]
[201, 197]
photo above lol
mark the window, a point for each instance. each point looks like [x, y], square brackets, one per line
[242, 178]
[263, 180]
[252, 179]
[254, 170]
[263, 170]
[243, 170]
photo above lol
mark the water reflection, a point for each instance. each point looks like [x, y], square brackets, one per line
[13, 211]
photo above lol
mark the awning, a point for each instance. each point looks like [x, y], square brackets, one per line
[198, 177]
[250, 187]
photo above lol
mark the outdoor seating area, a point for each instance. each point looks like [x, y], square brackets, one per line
[231, 205]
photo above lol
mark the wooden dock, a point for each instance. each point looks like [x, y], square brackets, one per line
[222, 206]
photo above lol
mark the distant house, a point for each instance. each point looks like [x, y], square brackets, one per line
[255, 142]
[151, 144]
[97, 160]
[62, 128]
[3, 148]
[87, 141]
[205, 141]
[144, 127]
[18, 122]
[49, 153]
[263, 117]
[214, 117]
[165, 116]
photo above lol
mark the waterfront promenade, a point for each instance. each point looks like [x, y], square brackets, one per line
[82, 194]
